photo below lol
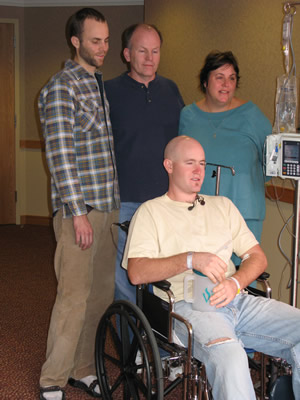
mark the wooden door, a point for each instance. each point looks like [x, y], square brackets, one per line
[7, 125]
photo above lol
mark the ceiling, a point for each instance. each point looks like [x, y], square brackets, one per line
[63, 3]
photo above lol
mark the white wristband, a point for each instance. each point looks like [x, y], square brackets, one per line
[237, 284]
[189, 260]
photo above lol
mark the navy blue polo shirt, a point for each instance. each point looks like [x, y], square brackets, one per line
[144, 119]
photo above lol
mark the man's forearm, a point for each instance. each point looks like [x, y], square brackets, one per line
[146, 270]
[58, 118]
[254, 265]
[63, 169]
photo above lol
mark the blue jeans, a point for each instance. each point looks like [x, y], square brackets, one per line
[266, 325]
[124, 290]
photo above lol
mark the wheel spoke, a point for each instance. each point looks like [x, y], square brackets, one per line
[112, 359]
[131, 389]
[123, 333]
[114, 335]
[125, 336]
[120, 379]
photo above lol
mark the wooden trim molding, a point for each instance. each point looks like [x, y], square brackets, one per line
[35, 220]
[274, 192]
[32, 144]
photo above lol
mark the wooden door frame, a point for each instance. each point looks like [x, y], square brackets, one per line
[18, 155]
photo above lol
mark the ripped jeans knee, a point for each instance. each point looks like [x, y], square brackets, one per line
[227, 368]
[219, 341]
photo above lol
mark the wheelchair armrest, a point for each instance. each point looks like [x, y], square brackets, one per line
[264, 276]
[163, 285]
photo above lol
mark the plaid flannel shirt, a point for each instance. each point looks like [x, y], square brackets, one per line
[79, 142]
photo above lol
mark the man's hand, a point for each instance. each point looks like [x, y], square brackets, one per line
[210, 265]
[83, 231]
[224, 293]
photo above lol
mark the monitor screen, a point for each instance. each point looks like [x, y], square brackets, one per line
[291, 152]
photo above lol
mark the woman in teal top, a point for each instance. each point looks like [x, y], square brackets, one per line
[232, 133]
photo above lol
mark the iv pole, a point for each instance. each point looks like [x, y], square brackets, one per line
[217, 174]
[294, 280]
[288, 6]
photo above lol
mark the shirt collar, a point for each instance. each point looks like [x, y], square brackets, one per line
[139, 84]
[78, 70]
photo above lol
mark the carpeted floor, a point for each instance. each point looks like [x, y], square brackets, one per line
[27, 293]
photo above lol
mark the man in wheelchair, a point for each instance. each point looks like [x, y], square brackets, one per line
[171, 235]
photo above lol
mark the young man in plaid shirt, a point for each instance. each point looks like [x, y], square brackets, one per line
[74, 115]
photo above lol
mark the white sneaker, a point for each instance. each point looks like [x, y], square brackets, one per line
[51, 393]
[138, 361]
[175, 372]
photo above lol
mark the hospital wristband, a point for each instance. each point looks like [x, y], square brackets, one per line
[189, 260]
[231, 278]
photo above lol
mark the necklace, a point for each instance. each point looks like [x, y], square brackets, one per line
[215, 124]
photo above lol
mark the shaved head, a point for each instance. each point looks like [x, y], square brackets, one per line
[173, 148]
[185, 163]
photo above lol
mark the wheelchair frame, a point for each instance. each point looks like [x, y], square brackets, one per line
[128, 361]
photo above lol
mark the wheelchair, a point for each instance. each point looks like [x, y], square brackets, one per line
[136, 349]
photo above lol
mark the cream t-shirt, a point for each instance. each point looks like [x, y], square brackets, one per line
[163, 227]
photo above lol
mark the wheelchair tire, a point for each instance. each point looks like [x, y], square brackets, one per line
[127, 358]
[282, 389]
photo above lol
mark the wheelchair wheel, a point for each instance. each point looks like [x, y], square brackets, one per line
[282, 388]
[127, 357]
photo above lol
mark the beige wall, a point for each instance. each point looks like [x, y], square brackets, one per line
[278, 267]
[252, 30]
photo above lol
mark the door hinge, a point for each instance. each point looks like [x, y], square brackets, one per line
[16, 196]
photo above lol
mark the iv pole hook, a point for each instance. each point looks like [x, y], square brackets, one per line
[217, 173]
[290, 8]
